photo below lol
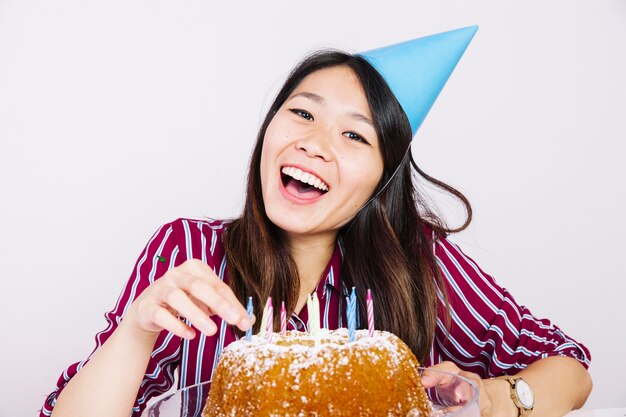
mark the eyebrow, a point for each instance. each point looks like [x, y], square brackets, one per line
[321, 100]
[311, 96]
[362, 118]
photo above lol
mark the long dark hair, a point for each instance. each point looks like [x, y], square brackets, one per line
[387, 245]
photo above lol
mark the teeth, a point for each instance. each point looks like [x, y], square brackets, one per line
[305, 177]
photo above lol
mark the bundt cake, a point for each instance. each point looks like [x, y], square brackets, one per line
[296, 375]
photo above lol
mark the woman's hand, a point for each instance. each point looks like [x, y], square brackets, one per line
[107, 385]
[191, 290]
[493, 400]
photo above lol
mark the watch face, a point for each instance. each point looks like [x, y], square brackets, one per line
[524, 393]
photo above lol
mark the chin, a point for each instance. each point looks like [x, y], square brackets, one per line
[290, 224]
[295, 225]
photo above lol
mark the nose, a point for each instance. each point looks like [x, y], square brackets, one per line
[316, 145]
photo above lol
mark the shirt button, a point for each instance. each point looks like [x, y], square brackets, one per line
[299, 326]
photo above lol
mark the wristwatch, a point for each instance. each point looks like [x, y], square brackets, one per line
[522, 396]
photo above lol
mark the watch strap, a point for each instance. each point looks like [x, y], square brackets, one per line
[522, 410]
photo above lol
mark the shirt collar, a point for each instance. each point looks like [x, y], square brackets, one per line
[332, 274]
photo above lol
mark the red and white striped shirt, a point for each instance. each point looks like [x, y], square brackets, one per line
[490, 334]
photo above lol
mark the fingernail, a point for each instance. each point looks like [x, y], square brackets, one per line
[245, 323]
[209, 327]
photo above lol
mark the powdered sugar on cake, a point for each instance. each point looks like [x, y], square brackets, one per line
[259, 356]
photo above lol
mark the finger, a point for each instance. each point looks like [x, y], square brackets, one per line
[446, 366]
[180, 301]
[167, 321]
[440, 375]
[208, 311]
[208, 292]
[465, 393]
[198, 268]
[432, 379]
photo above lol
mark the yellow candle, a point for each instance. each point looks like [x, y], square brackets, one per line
[315, 323]
[262, 331]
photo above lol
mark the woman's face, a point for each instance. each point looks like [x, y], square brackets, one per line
[321, 158]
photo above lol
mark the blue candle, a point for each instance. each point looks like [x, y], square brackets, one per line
[249, 331]
[352, 314]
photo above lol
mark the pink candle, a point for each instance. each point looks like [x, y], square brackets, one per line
[269, 329]
[370, 313]
[283, 319]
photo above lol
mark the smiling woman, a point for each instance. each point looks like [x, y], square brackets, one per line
[319, 135]
[331, 203]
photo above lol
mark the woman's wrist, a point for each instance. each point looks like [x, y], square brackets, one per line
[130, 330]
[498, 390]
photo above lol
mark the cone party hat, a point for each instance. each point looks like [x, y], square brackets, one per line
[417, 70]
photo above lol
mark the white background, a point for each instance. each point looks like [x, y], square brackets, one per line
[118, 116]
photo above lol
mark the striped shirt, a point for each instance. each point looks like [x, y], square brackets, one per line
[489, 333]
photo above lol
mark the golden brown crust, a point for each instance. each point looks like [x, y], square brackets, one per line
[372, 376]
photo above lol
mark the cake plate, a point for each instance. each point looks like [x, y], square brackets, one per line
[189, 402]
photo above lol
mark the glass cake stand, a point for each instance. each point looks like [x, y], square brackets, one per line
[457, 397]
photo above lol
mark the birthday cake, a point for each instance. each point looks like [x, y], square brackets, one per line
[299, 374]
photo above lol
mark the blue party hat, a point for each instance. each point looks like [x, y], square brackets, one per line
[417, 70]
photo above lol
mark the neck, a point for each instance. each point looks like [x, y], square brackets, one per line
[311, 255]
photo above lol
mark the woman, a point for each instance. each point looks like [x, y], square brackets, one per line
[331, 203]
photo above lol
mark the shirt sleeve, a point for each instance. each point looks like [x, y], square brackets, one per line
[487, 332]
[160, 254]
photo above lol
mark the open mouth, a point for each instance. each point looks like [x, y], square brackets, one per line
[302, 184]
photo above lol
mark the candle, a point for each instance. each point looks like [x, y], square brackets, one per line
[314, 320]
[263, 328]
[249, 309]
[352, 314]
[283, 319]
[269, 328]
[370, 313]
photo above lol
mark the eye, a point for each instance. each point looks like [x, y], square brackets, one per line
[302, 113]
[356, 137]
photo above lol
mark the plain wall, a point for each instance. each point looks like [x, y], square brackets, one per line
[118, 116]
